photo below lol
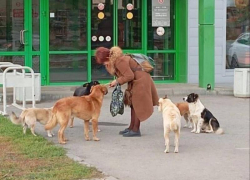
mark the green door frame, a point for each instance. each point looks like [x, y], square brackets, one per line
[180, 49]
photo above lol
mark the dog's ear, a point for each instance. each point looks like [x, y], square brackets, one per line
[203, 113]
[166, 96]
[196, 96]
[96, 82]
[160, 105]
[104, 90]
[85, 85]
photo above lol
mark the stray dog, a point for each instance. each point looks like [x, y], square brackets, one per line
[84, 107]
[171, 121]
[184, 111]
[195, 109]
[83, 91]
[210, 124]
[29, 116]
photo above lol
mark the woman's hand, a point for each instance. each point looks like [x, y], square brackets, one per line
[113, 83]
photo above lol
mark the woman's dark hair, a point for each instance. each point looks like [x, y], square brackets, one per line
[102, 55]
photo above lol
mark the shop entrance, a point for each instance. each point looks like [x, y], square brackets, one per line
[58, 38]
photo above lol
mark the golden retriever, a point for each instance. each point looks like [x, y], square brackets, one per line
[29, 116]
[84, 107]
[171, 121]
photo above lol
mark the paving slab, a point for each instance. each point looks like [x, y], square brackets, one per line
[201, 156]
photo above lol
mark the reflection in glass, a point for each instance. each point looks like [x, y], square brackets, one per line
[158, 42]
[99, 71]
[130, 30]
[238, 35]
[164, 66]
[68, 25]
[11, 23]
[36, 64]
[35, 25]
[102, 24]
[68, 68]
[13, 59]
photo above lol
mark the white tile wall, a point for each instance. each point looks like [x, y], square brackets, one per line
[221, 74]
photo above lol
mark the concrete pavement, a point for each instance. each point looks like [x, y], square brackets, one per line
[201, 156]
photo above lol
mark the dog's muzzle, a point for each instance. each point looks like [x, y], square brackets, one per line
[185, 99]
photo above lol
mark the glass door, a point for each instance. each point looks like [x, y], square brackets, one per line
[20, 32]
[13, 31]
[68, 53]
[115, 23]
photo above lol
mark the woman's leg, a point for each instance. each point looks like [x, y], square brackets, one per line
[135, 122]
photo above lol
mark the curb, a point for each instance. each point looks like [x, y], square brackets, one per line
[81, 161]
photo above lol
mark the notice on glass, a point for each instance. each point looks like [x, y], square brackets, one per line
[160, 13]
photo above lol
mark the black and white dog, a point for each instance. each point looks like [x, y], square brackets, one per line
[85, 88]
[210, 123]
[202, 118]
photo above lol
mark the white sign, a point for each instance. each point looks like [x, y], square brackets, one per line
[52, 15]
[94, 38]
[160, 31]
[101, 38]
[108, 38]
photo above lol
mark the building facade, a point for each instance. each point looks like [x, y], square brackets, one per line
[58, 38]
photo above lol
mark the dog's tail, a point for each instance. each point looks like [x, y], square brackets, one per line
[14, 119]
[219, 131]
[51, 123]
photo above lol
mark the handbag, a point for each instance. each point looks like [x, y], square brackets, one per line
[117, 104]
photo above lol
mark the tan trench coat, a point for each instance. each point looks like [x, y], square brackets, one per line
[144, 94]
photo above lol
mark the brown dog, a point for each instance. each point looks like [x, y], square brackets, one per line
[184, 110]
[85, 107]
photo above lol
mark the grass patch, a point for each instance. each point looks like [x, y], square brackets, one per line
[28, 157]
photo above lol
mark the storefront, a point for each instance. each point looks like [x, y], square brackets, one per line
[58, 38]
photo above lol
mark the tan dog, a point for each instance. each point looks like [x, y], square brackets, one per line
[184, 111]
[30, 116]
[171, 121]
[84, 107]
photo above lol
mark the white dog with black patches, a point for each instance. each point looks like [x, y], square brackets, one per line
[171, 121]
[195, 109]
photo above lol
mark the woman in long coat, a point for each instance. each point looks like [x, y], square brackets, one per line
[140, 95]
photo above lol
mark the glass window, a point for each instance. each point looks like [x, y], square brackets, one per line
[164, 66]
[237, 34]
[68, 68]
[99, 71]
[36, 64]
[11, 24]
[130, 24]
[36, 25]
[68, 25]
[102, 23]
[161, 32]
[13, 59]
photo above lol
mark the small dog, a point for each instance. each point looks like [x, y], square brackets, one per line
[184, 110]
[84, 107]
[171, 121]
[210, 123]
[30, 116]
[195, 109]
[83, 91]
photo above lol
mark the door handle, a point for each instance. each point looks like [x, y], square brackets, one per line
[21, 32]
[23, 36]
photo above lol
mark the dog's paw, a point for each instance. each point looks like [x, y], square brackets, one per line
[50, 135]
[71, 126]
[176, 150]
[96, 139]
[166, 151]
[87, 139]
[63, 142]
[193, 131]
[190, 127]
[99, 130]
[185, 126]
[197, 132]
